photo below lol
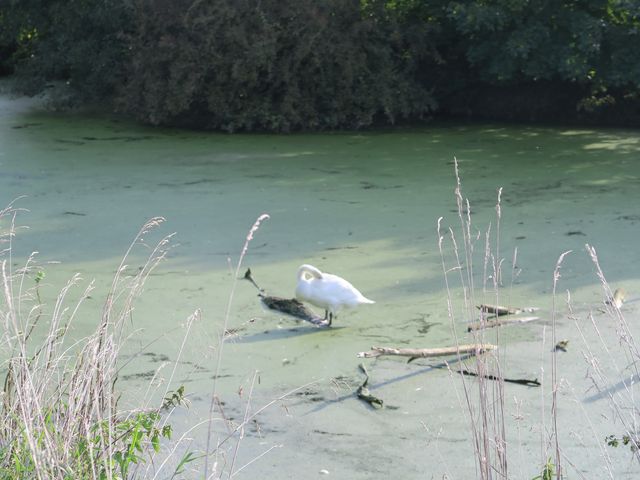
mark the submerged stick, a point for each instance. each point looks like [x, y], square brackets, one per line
[428, 352]
[520, 381]
[363, 392]
[496, 323]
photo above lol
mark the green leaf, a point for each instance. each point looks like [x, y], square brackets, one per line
[188, 458]
[39, 276]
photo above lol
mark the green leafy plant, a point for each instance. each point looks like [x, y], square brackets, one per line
[548, 471]
[174, 399]
[143, 427]
[59, 416]
[632, 442]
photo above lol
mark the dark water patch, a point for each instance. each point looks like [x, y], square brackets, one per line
[522, 192]
[188, 183]
[348, 202]
[426, 327]
[386, 338]
[17, 176]
[310, 395]
[69, 142]
[333, 434]
[195, 366]
[138, 376]
[346, 247]
[270, 176]
[468, 211]
[372, 186]
[124, 138]
[164, 274]
[203, 180]
[77, 214]
[282, 333]
[575, 232]
[629, 218]
[26, 125]
[197, 289]
[520, 237]
[327, 171]
[419, 324]
[156, 357]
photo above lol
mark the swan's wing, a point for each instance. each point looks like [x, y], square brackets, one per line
[342, 291]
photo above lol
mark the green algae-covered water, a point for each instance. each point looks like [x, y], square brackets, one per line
[363, 205]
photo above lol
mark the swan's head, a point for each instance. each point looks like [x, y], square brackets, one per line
[306, 270]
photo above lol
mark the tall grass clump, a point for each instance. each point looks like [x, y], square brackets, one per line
[462, 249]
[613, 365]
[609, 348]
[59, 406]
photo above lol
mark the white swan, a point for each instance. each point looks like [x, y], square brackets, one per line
[327, 291]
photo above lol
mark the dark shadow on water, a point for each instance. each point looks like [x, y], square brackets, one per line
[283, 333]
[613, 389]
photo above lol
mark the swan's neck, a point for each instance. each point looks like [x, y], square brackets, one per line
[310, 270]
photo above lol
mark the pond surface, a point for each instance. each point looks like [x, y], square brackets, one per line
[365, 206]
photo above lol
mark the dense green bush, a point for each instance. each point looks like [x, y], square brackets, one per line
[270, 65]
[320, 64]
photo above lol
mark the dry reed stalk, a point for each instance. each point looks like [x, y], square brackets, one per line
[487, 419]
[554, 372]
[209, 450]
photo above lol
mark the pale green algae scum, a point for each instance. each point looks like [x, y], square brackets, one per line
[362, 205]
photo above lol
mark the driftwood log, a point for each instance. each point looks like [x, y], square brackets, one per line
[428, 352]
[496, 323]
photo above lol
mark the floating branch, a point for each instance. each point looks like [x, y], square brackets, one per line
[428, 352]
[498, 310]
[496, 323]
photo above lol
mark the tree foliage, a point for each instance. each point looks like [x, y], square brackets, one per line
[580, 50]
[285, 65]
[76, 41]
